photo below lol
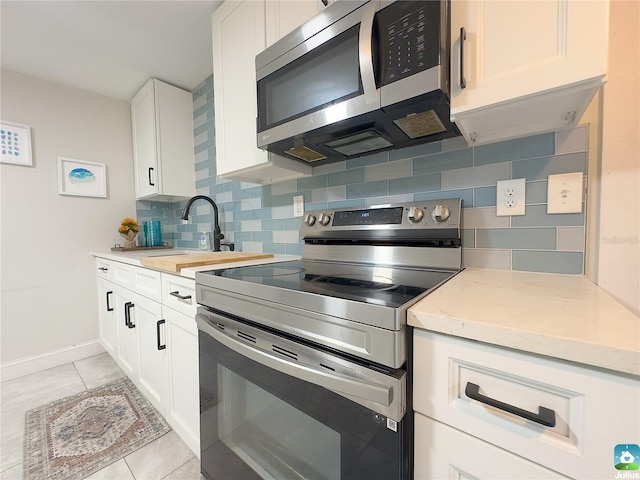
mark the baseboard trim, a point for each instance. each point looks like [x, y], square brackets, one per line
[45, 361]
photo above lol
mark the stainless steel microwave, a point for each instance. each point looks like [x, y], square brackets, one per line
[358, 78]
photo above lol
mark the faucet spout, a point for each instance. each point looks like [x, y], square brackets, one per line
[217, 234]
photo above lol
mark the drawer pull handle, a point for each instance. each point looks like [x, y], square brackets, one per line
[545, 416]
[181, 297]
[103, 269]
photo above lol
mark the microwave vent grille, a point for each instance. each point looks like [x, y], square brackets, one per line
[305, 153]
[420, 124]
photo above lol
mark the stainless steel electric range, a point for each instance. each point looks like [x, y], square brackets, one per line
[305, 365]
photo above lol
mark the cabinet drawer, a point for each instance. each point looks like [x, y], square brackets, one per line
[443, 452]
[137, 279]
[105, 269]
[593, 409]
[179, 293]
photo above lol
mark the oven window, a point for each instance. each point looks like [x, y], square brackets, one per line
[270, 435]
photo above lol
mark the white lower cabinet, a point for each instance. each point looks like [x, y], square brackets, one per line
[183, 403]
[444, 453]
[153, 360]
[128, 339]
[493, 412]
[155, 345]
[107, 316]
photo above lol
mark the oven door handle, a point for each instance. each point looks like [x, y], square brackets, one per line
[341, 384]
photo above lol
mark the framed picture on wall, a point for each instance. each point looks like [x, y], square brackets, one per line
[82, 178]
[15, 143]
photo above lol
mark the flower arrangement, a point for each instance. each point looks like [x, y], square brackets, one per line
[129, 229]
[128, 225]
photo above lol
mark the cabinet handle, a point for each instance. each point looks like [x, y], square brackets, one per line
[181, 297]
[127, 314]
[103, 269]
[545, 416]
[325, 2]
[158, 323]
[463, 37]
[150, 182]
[109, 307]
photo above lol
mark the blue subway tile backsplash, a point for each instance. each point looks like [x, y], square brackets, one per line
[260, 218]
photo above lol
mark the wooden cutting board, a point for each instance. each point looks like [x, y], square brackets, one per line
[173, 263]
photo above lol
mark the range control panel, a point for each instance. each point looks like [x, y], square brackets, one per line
[432, 215]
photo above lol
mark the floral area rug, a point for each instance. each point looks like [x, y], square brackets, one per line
[72, 438]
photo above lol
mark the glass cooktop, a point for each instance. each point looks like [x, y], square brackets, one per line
[380, 285]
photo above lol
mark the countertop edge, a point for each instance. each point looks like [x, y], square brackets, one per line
[452, 308]
[188, 272]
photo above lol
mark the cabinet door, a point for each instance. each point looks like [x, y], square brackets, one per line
[238, 35]
[107, 317]
[514, 49]
[153, 358]
[128, 352]
[143, 120]
[183, 406]
[530, 67]
[284, 16]
[443, 452]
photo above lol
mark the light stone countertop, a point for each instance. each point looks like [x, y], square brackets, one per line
[133, 258]
[562, 316]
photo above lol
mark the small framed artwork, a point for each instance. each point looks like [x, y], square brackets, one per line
[82, 178]
[15, 143]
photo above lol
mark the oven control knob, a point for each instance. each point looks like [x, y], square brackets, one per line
[309, 219]
[440, 213]
[324, 219]
[415, 214]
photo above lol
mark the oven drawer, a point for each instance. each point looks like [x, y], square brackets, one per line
[561, 415]
[179, 293]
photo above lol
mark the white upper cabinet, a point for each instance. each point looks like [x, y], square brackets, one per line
[162, 121]
[240, 31]
[529, 66]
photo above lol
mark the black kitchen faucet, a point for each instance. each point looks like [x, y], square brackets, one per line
[217, 234]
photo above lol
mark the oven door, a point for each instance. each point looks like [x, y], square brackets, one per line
[274, 408]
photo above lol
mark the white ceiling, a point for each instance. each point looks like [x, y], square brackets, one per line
[108, 47]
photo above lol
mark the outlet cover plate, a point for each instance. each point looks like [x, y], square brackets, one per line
[564, 193]
[510, 197]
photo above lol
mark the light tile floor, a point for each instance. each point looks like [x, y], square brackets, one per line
[167, 458]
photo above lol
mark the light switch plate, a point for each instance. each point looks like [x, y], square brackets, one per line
[564, 193]
[510, 197]
[298, 205]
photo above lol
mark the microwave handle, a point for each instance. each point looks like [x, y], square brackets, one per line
[380, 394]
[366, 55]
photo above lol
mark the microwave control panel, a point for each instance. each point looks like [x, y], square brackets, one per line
[408, 36]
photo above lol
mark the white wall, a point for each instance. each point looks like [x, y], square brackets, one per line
[619, 246]
[48, 292]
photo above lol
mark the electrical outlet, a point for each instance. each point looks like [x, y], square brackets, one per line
[510, 197]
[298, 206]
